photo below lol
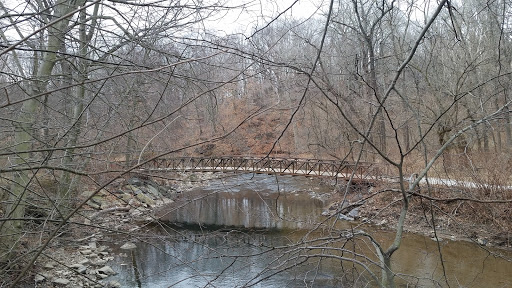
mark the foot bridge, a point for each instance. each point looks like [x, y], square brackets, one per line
[363, 171]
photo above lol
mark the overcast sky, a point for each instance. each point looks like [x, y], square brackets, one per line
[258, 13]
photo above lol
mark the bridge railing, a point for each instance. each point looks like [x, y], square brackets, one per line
[268, 165]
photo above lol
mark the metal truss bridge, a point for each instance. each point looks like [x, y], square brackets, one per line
[363, 171]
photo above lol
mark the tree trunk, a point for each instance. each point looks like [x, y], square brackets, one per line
[507, 127]
[68, 181]
[388, 277]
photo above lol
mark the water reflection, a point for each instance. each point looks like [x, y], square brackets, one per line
[219, 261]
[246, 209]
[252, 205]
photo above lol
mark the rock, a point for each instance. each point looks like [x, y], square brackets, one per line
[153, 191]
[106, 270]
[101, 275]
[135, 181]
[45, 275]
[60, 281]
[163, 201]
[134, 202]
[113, 284]
[145, 199]
[92, 245]
[102, 248]
[104, 192]
[82, 270]
[482, 241]
[79, 268]
[118, 182]
[167, 200]
[129, 188]
[345, 217]
[117, 192]
[97, 199]
[93, 205]
[99, 262]
[86, 252]
[126, 197]
[91, 272]
[136, 212]
[49, 266]
[383, 222]
[354, 213]
[39, 278]
[128, 246]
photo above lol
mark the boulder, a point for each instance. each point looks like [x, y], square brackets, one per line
[60, 281]
[85, 262]
[86, 252]
[153, 191]
[99, 262]
[39, 278]
[97, 199]
[134, 203]
[93, 205]
[126, 197]
[128, 246]
[93, 245]
[345, 217]
[145, 199]
[113, 284]
[102, 248]
[79, 268]
[482, 241]
[354, 213]
[135, 181]
[106, 270]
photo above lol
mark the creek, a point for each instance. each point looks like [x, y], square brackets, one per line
[251, 230]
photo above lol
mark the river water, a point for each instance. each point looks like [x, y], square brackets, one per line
[264, 231]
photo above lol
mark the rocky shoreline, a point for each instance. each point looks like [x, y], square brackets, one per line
[125, 207]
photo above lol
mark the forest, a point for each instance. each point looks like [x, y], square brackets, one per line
[92, 90]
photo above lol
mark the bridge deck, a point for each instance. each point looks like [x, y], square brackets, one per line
[267, 165]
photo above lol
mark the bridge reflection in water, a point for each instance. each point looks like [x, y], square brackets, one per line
[251, 201]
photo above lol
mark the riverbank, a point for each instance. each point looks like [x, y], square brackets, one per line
[123, 211]
[486, 224]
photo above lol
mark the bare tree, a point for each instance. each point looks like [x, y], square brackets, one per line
[89, 86]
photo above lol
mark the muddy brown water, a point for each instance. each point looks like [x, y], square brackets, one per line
[227, 234]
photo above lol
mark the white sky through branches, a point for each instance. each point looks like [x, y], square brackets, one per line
[255, 14]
